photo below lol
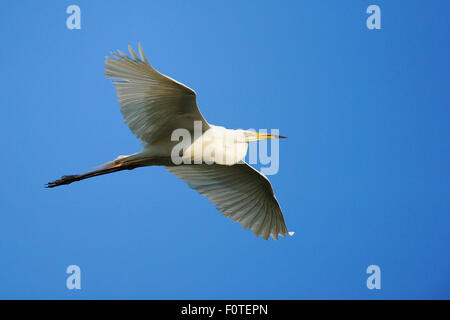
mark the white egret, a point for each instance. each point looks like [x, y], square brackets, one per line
[154, 106]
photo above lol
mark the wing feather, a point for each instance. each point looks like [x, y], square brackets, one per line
[152, 104]
[240, 192]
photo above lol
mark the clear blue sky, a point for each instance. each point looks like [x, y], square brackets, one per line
[364, 175]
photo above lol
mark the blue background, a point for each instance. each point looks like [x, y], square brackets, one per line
[364, 175]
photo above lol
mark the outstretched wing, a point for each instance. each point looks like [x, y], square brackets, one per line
[152, 104]
[240, 192]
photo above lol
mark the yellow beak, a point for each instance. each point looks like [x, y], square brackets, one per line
[263, 136]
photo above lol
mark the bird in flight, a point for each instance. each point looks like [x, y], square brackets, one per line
[155, 106]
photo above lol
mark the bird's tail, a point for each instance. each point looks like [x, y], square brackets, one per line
[121, 163]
